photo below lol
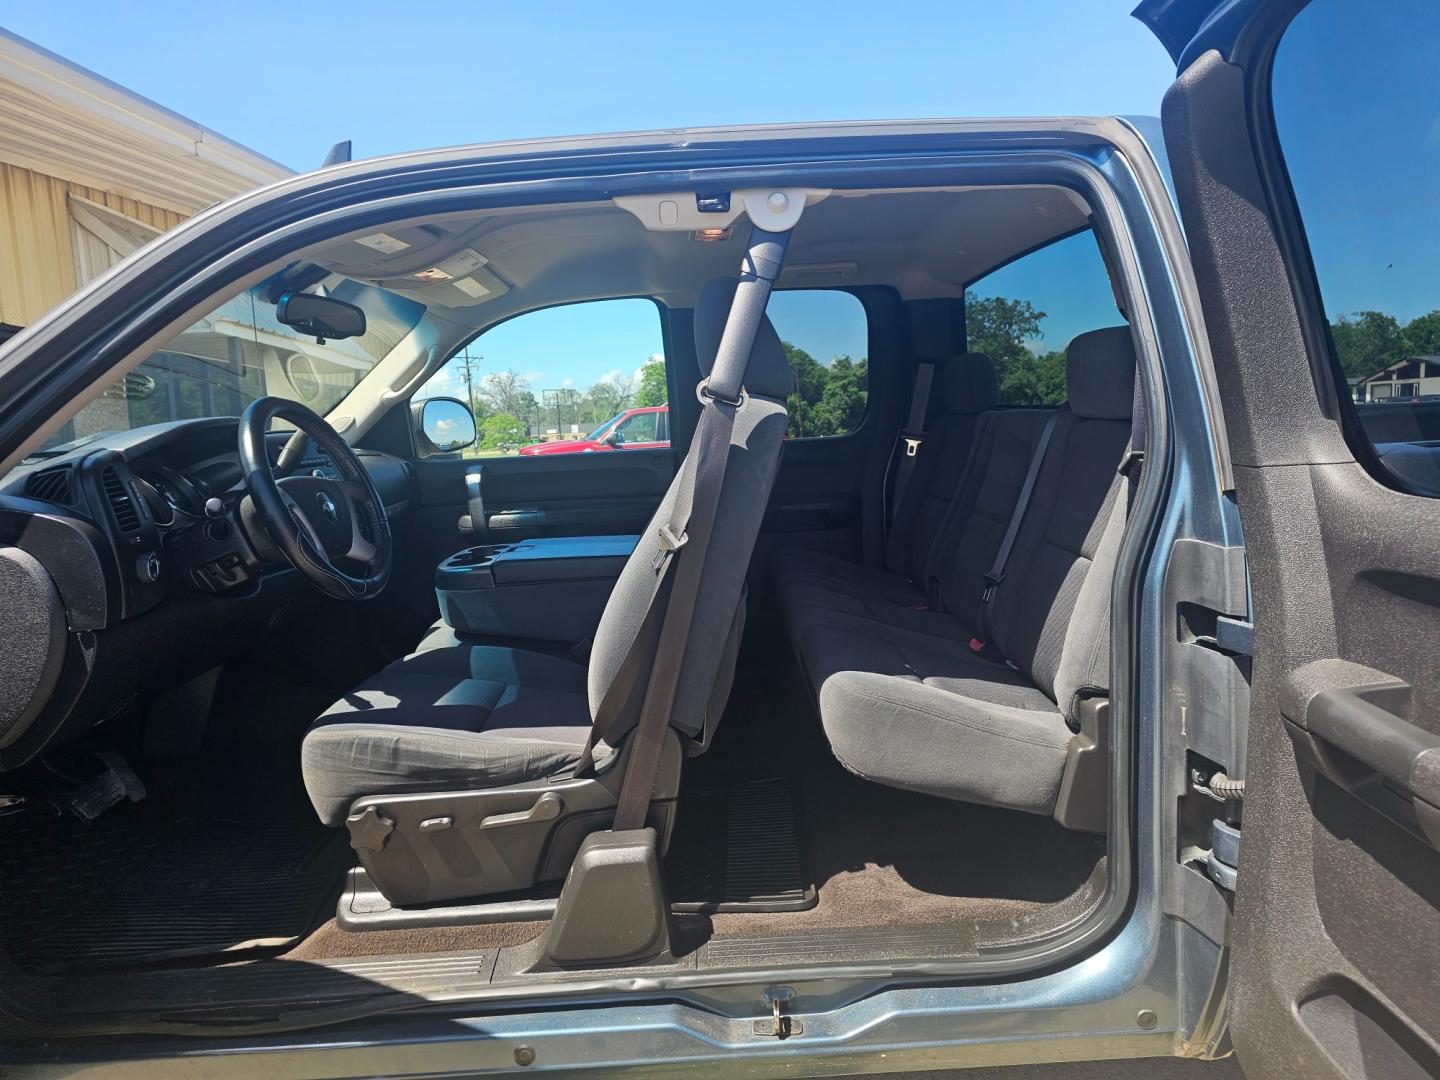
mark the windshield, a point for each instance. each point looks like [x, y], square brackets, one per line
[240, 352]
[599, 432]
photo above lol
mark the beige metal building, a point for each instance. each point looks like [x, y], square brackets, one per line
[89, 172]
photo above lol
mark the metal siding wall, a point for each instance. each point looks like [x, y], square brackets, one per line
[37, 242]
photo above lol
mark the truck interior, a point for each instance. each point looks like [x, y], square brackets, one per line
[228, 786]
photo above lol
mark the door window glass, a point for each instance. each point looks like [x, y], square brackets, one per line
[582, 378]
[1358, 120]
[639, 427]
[1025, 314]
[827, 339]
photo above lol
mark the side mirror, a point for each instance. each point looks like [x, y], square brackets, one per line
[322, 316]
[615, 439]
[443, 426]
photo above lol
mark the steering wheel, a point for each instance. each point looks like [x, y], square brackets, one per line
[317, 523]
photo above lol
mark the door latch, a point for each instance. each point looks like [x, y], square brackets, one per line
[777, 1025]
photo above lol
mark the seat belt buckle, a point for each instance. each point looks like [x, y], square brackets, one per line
[976, 645]
[991, 584]
[669, 543]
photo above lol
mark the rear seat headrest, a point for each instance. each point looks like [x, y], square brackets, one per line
[937, 328]
[769, 373]
[970, 385]
[1100, 374]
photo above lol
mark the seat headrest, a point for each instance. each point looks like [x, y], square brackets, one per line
[1100, 374]
[769, 373]
[937, 328]
[970, 385]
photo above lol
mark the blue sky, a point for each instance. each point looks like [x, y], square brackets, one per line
[1362, 143]
[290, 79]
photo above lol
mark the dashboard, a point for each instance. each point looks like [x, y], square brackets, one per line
[137, 557]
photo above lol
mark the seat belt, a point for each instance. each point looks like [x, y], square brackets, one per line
[996, 574]
[1133, 462]
[912, 437]
[685, 538]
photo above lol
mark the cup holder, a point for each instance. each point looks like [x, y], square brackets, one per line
[474, 558]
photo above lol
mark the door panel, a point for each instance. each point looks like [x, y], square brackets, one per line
[564, 495]
[1336, 929]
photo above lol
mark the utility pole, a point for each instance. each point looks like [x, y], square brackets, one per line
[468, 363]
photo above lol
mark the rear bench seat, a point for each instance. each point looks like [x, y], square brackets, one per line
[968, 392]
[905, 697]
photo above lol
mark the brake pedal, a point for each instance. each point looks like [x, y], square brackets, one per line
[116, 782]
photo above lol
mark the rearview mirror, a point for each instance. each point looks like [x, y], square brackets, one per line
[322, 316]
[445, 426]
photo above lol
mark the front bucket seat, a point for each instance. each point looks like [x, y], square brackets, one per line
[455, 768]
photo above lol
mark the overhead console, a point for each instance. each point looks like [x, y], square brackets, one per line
[771, 209]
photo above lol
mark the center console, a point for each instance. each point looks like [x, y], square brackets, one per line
[552, 589]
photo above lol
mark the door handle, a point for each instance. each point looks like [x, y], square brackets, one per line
[1334, 705]
[546, 808]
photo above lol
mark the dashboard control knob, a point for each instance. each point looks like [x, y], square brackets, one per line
[147, 567]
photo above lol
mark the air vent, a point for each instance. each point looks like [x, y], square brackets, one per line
[51, 485]
[122, 506]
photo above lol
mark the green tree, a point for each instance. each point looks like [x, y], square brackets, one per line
[1367, 342]
[500, 429]
[610, 397]
[1000, 327]
[842, 402]
[810, 378]
[1421, 336]
[653, 389]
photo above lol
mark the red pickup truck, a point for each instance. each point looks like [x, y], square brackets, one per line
[635, 429]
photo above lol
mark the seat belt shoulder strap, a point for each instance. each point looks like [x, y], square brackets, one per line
[907, 449]
[996, 574]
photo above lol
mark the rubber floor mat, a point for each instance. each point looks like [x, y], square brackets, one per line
[739, 849]
[100, 894]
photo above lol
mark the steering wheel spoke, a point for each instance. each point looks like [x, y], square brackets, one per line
[318, 523]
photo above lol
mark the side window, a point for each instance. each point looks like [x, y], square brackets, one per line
[639, 427]
[582, 378]
[1024, 315]
[827, 338]
[1357, 116]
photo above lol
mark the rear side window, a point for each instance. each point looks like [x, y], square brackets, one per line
[1358, 120]
[1024, 314]
[827, 338]
[578, 379]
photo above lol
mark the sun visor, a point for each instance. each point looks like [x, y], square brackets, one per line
[771, 209]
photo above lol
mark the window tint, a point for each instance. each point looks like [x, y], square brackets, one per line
[827, 338]
[1024, 315]
[563, 380]
[1358, 119]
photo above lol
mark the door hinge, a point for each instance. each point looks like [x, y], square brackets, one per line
[1222, 858]
[777, 1025]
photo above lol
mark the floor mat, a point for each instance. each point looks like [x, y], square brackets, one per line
[738, 849]
[140, 891]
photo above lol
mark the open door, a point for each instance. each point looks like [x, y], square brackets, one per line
[1305, 145]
